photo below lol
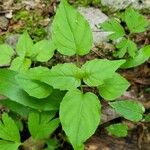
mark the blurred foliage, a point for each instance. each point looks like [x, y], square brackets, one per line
[32, 22]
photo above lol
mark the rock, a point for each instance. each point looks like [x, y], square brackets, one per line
[94, 16]
[122, 4]
[9, 15]
[12, 40]
[7, 4]
[3, 23]
[34, 4]
[108, 114]
[116, 4]
[141, 4]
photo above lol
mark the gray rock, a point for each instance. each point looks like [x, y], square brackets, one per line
[95, 17]
[12, 40]
[141, 4]
[122, 4]
[108, 114]
[3, 23]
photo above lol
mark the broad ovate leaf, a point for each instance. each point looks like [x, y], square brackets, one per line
[24, 45]
[135, 21]
[114, 87]
[130, 110]
[147, 50]
[34, 88]
[20, 109]
[119, 129]
[20, 64]
[126, 45]
[10, 88]
[71, 32]
[6, 52]
[41, 125]
[8, 129]
[62, 76]
[38, 73]
[139, 59]
[7, 145]
[80, 116]
[114, 27]
[98, 70]
[43, 50]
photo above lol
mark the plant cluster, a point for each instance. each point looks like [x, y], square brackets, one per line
[40, 126]
[39, 92]
[135, 23]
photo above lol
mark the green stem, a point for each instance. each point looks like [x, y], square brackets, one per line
[81, 88]
[79, 65]
[77, 60]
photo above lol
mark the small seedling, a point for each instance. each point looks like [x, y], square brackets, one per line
[119, 130]
[40, 125]
[122, 35]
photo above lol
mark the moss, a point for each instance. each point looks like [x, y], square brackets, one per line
[32, 22]
[2, 39]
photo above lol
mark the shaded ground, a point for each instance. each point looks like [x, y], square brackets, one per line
[37, 24]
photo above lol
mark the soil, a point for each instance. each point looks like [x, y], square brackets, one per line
[139, 134]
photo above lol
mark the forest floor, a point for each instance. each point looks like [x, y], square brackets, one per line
[17, 16]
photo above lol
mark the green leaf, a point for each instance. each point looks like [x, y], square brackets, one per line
[64, 76]
[139, 59]
[16, 107]
[10, 88]
[6, 145]
[24, 45]
[147, 50]
[113, 26]
[33, 87]
[98, 70]
[136, 22]
[126, 45]
[113, 87]
[41, 125]
[130, 110]
[80, 116]
[52, 144]
[6, 52]
[71, 32]
[8, 129]
[20, 64]
[19, 124]
[119, 129]
[38, 73]
[43, 51]
[147, 118]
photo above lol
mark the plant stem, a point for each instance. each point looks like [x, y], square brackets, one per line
[81, 88]
[29, 144]
[77, 60]
[79, 65]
